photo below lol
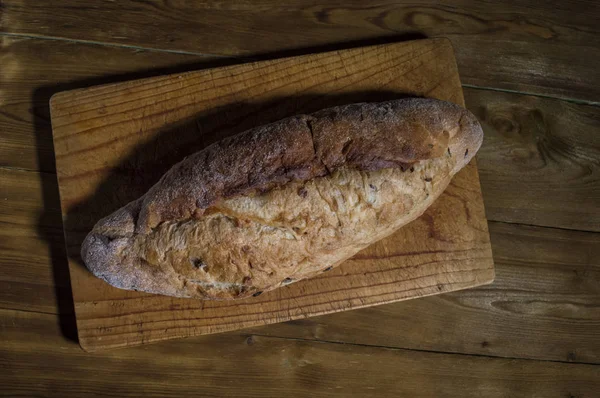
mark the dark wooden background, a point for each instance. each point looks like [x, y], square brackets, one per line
[530, 73]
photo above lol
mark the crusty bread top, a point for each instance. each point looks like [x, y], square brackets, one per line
[366, 136]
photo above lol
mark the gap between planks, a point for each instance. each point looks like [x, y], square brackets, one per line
[386, 347]
[506, 90]
[107, 44]
[24, 170]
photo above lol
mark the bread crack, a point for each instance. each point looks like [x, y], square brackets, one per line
[309, 124]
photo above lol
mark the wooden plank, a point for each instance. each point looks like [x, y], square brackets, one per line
[543, 304]
[540, 160]
[33, 70]
[113, 142]
[37, 360]
[540, 47]
[551, 275]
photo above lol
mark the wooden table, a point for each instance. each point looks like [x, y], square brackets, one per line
[530, 74]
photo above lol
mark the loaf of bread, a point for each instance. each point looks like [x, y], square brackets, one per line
[285, 201]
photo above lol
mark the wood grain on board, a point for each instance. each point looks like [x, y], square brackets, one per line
[45, 364]
[113, 142]
[542, 304]
[534, 46]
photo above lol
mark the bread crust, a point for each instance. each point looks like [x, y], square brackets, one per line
[281, 202]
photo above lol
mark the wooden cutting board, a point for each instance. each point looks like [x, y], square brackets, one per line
[113, 142]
